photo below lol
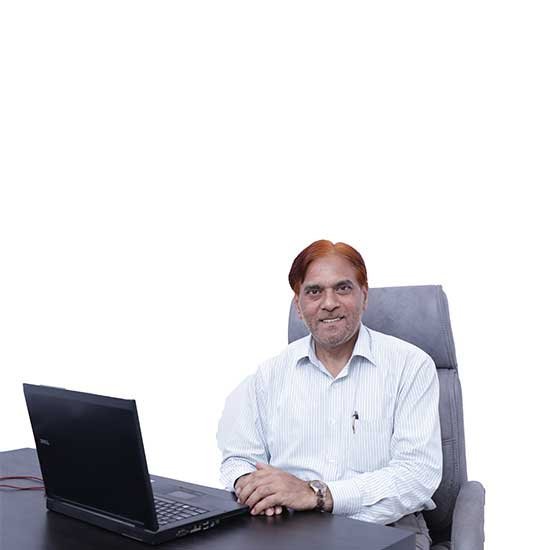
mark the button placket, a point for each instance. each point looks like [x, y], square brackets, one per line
[332, 442]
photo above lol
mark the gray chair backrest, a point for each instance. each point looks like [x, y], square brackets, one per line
[420, 315]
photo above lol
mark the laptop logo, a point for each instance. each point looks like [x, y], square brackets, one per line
[45, 442]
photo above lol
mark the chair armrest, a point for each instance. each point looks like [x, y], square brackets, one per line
[469, 517]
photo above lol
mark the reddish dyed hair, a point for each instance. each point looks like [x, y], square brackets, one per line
[319, 249]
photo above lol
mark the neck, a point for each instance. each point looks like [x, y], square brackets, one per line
[335, 359]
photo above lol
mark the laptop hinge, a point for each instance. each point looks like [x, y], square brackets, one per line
[92, 510]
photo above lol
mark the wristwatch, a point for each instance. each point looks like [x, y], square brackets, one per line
[320, 490]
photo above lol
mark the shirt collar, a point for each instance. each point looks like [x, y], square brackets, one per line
[306, 350]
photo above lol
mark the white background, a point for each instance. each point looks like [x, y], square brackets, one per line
[162, 163]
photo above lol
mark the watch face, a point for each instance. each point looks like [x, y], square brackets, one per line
[320, 490]
[317, 486]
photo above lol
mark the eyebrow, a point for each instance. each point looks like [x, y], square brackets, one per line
[344, 282]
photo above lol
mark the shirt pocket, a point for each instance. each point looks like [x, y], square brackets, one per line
[369, 445]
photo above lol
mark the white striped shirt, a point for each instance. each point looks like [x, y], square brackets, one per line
[294, 415]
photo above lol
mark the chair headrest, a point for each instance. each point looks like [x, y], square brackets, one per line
[417, 314]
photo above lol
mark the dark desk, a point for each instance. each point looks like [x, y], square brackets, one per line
[26, 525]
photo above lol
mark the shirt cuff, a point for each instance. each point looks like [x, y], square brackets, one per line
[232, 472]
[346, 497]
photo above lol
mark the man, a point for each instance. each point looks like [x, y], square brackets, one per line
[343, 421]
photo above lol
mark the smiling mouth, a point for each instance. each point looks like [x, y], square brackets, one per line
[333, 320]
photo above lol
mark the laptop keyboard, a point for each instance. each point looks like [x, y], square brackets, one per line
[169, 511]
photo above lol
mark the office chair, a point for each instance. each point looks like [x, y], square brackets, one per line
[420, 315]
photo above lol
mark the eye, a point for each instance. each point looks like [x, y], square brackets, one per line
[343, 289]
[312, 291]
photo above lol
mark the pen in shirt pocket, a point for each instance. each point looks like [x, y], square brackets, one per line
[354, 417]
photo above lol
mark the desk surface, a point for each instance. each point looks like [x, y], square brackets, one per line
[26, 524]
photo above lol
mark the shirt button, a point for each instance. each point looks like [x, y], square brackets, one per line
[332, 422]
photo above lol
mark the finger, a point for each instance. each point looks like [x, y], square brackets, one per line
[249, 485]
[250, 478]
[278, 510]
[239, 486]
[239, 482]
[252, 482]
[260, 493]
[269, 511]
[268, 502]
[263, 466]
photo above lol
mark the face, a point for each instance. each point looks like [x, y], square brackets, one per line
[331, 301]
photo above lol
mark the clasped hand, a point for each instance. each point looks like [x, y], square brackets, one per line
[268, 489]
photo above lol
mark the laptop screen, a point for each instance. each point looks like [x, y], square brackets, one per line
[91, 452]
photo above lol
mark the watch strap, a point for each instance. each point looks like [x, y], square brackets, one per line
[320, 490]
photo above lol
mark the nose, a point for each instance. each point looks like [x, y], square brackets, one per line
[330, 300]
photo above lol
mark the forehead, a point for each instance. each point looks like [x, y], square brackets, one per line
[328, 270]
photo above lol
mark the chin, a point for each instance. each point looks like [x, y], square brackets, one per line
[331, 342]
[336, 344]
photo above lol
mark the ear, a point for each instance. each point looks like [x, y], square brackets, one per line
[365, 292]
[297, 306]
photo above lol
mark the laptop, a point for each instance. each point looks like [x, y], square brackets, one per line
[93, 464]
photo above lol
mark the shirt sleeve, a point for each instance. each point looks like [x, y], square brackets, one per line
[414, 472]
[241, 438]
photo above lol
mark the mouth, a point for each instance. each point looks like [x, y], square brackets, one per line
[330, 320]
